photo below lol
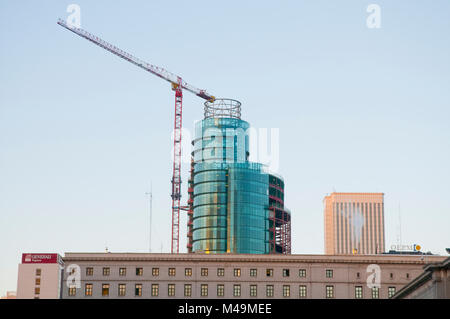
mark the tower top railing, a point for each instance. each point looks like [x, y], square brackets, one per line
[223, 108]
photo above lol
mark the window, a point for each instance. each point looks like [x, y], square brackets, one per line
[269, 272]
[139, 271]
[188, 272]
[155, 271]
[105, 290]
[302, 272]
[106, 271]
[391, 275]
[357, 275]
[204, 290]
[236, 290]
[329, 273]
[187, 290]
[37, 281]
[237, 272]
[172, 272]
[253, 272]
[155, 290]
[407, 275]
[391, 291]
[375, 293]
[38, 272]
[253, 290]
[286, 291]
[329, 291]
[138, 290]
[88, 290]
[122, 289]
[122, 271]
[220, 272]
[220, 290]
[89, 271]
[204, 271]
[302, 291]
[358, 292]
[171, 290]
[72, 290]
[269, 291]
[285, 272]
[37, 291]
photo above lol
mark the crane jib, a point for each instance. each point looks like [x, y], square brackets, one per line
[158, 71]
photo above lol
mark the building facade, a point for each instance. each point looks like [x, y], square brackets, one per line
[433, 283]
[184, 276]
[40, 276]
[235, 206]
[354, 223]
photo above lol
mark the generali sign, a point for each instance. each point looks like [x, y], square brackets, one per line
[41, 259]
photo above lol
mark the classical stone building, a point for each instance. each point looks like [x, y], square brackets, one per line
[143, 275]
[433, 283]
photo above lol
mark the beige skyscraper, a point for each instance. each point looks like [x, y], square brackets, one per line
[354, 223]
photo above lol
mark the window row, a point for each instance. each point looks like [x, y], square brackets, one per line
[220, 290]
[375, 292]
[106, 271]
[37, 282]
[204, 290]
[89, 290]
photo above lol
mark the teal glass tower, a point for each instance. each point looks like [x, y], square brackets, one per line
[229, 196]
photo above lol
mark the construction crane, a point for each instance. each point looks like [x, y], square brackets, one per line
[177, 85]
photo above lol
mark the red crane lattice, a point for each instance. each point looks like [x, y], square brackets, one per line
[177, 85]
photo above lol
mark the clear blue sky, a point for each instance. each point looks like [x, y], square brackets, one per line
[82, 132]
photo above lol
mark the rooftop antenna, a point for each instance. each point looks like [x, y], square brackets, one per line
[399, 230]
[150, 194]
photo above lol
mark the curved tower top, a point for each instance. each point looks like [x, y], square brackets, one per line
[223, 108]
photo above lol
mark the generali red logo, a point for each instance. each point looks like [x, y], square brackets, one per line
[40, 258]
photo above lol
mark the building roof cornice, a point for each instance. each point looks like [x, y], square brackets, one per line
[226, 258]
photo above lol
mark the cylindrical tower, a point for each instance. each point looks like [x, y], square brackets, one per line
[230, 199]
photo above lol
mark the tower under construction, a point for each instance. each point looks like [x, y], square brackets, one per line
[235, 206]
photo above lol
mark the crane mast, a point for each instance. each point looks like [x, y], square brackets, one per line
[177, 86]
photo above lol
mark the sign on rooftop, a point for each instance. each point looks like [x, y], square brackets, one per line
[42, 259]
